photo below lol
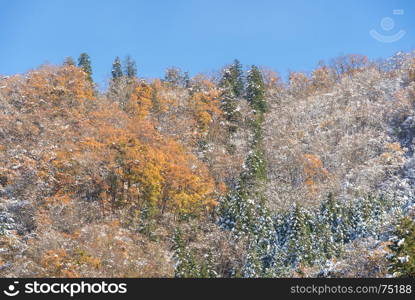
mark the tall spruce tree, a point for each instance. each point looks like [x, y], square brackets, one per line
[233, 78]
[299, 244]
[116, 68]
[84, 62]
[69, 61]
[238, 78]
[232, 86]
[130, 67]
[255, 90]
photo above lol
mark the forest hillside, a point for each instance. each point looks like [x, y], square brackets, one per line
[235, 174]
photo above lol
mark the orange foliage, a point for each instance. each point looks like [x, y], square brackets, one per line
[205, 106]
[136, 165]
[321, 78]
[57, 86]
[58, 264]
[314, 171]
[140, 102]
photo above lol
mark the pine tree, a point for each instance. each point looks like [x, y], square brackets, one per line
[403, 250]
[232, 79]
[69, 61]
[237, 78]
[84, 62]
[332, 214]
[207, 268]
[299, 237]
[236, 212]
[186, 266]
[265, 258]
[325, 245]
[232, 86]
[186, 80]
[255, 91]
[130, 67]
[116, 68]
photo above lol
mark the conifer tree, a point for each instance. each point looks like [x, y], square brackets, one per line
[130, 67]
[237, 78]
[69, 61]
[84, 62]
[299, 237]
[232, 78]
[116, 68]
[332, 214]
[255, 90]
[403, 250]
[186, 80]
[232, 86]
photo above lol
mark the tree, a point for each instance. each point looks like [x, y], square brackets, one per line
[333, 215]
[130, 67]
[232, 86]
[116, 68]
[255, 91]
[69, 61]
[187, 264]
[403, 250]
[299, 236]
[232, 78]
[84, 62]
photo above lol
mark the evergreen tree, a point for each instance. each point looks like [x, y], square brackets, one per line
[237, 78]
[130, 67]
[84, 62]
[69, 61]
[207, 268]
[116, 68]
[174, 77]
[232, 86]
[186, 80]
[255, 91]
[403, 250]
[299, 244]
[186, 266]
[333, 215]
[325, 245]
[232, 79]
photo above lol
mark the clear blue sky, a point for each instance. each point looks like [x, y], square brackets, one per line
[197, 36]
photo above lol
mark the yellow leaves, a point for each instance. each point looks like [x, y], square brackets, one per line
[321, 79]
[393, 154]
[205, 107]
[394, 147]
[145, 168]
[81, 257]
[57, 85]
[314, 172]
[140, 102]
[58, 263]
[59, 198]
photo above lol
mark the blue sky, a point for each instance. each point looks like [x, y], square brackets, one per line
[197, 36]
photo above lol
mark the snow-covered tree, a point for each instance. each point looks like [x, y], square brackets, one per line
[116, 68]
